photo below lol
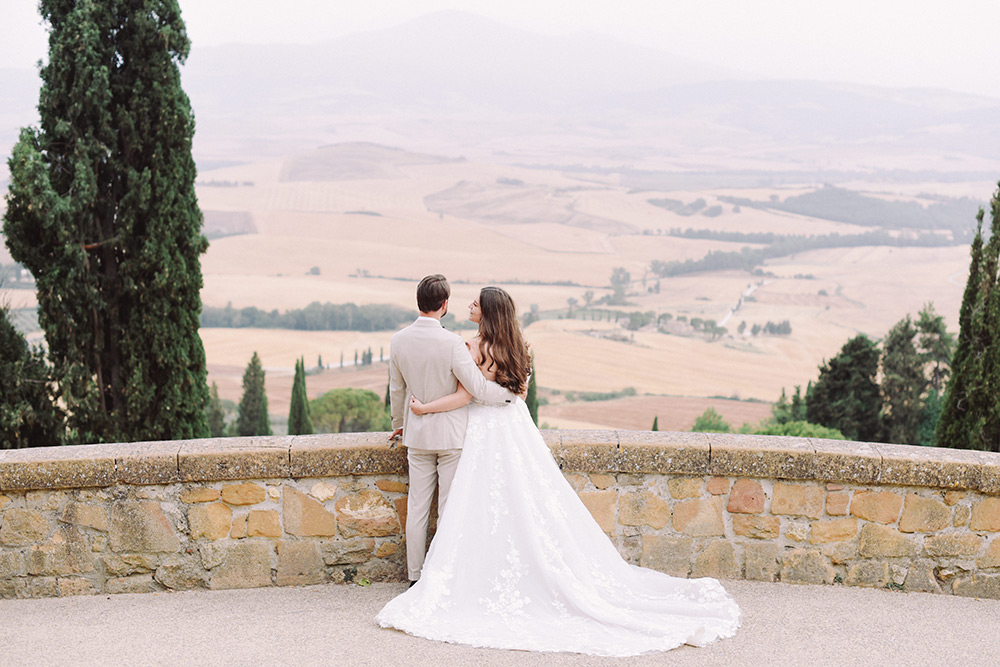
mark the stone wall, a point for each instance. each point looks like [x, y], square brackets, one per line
[248, 512]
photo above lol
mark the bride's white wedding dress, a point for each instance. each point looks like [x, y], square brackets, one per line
[518, 562]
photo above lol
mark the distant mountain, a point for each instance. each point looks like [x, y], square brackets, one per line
[797, 111]
[449, 56]
[457, 84]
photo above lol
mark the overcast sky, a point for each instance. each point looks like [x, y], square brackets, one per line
[927, 43]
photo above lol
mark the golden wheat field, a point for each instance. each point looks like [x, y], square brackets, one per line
[372, 238]
[550, 237]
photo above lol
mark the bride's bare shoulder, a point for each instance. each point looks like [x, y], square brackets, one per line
[474, 349]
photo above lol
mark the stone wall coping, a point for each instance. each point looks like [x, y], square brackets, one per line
[323, 455]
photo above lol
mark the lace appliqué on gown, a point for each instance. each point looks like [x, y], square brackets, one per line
[518, 562]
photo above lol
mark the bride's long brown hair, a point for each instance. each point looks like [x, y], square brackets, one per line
[501, 344]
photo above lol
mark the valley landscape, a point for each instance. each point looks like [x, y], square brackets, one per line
[549, 237]
[348, 177]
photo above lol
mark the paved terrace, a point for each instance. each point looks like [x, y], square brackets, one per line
[79, 524]
[783, 624]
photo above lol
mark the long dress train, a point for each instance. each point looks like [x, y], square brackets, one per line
[518, 562]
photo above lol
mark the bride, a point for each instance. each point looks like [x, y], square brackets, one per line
[518, 562]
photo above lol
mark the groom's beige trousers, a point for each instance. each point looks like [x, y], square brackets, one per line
[427, 469]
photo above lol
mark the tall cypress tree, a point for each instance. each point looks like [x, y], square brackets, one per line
[656, 424]
[102, 211]
[252, 418]
[970, 415]
[299, 422]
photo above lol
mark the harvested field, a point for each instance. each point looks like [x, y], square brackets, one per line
[674, 413]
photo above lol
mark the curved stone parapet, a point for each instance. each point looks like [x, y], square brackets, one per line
[261, 511]
[662, 452]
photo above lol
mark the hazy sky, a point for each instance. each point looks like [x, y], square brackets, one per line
[884, 42]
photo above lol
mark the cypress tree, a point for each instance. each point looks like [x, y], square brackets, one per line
[102, 211]
[299, 422]
[28, 414]
[903, 384]
[956, 425]
[781, 410]
[216, 415]
[970, 415]
[252, 418]
[797, 411]
[531, 399]
[656, 424]
[936, 347]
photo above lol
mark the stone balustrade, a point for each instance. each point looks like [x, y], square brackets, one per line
[248, 512]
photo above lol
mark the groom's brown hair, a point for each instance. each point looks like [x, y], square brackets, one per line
[432, 292]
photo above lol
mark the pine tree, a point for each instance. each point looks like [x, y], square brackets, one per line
[781, 410]
[970, 414]
[216, 415]
[252, 418]
[846, 395]
[102, 211]
[28, 413]
[903, 384]
[531, 398]
[785, 411]
[299, 422]
[656, 424]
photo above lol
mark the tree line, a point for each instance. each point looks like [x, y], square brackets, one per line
[748, 259]
[314, 317]
[842, 205]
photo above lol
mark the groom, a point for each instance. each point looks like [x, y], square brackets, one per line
[428, 361]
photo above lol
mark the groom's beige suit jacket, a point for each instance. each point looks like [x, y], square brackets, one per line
[427, 361]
